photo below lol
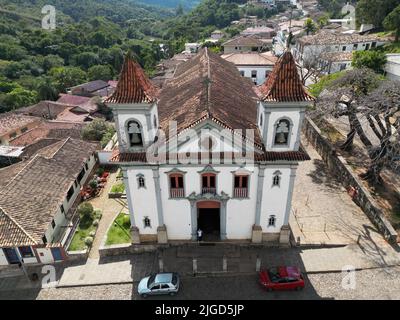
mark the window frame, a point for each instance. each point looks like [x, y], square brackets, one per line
[247, 187]
[24, 254]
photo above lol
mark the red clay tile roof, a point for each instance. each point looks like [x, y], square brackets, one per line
[208, 87]
[283, 83]
[267, 156]
[49, 129]
[133, 85]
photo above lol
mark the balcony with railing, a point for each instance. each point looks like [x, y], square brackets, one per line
[240, 193]
[177, 193]
[206, 190]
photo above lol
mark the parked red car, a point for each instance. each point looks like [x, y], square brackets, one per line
[282, 278]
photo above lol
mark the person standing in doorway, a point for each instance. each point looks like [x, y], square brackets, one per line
[199, 235]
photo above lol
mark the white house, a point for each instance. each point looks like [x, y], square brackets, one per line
[392, 67]
[253, 65]
[207, 152]
[38, 198]
[333, 62]
[326, 41]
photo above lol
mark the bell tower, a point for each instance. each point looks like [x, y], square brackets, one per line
[134, 105]
[282, 105]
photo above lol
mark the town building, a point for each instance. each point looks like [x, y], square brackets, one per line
[243, 44]
[392, 67]
[325, 41]
[68, 108]
[98, 88]
[38, 201]
[206, 152]
[13, 125]
[262, 32]
[217, 35]
[332, 62]
[253, 65]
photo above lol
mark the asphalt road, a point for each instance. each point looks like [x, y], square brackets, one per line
[369, 284]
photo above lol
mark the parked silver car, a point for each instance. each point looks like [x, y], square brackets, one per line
[158, 284]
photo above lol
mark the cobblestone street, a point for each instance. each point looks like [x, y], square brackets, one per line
[370, 284]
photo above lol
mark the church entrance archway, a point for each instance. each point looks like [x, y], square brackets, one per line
[209, 220]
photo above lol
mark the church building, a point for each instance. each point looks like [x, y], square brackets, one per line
[209, 151]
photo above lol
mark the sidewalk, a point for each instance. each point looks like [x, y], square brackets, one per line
[322, 211]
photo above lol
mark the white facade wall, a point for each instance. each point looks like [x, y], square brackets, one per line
[274, 198]
[143, 199]
[270, 122]
[303, 53]
[392, 67]
[241, 213]
[3, 259]
[261, 72]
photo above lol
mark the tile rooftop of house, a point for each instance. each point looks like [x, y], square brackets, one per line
[337, 56]
[36, 189]
[326, 37]
[91, 86]
[245, 41]
[49, 129]
[251, 58]
[12, 121]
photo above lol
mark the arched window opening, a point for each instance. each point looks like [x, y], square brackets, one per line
[282, 132]
[135, 134]
[141, 181]
[271, 221]
[276, 180]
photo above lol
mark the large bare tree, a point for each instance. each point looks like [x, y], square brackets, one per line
[366, 100]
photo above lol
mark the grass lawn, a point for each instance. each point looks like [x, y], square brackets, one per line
[84, 228]
[120, 230]
[118, 188]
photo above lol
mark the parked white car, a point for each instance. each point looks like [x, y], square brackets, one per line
[159, 284]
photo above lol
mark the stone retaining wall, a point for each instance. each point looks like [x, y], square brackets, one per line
[341, 169]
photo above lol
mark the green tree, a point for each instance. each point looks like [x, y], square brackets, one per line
[96, 130]
[46, 90]
[392, 22]
[309, 26]
[85, 210]
[66, 77]
[20, 97]
[374, 60]
[100, 72]
[375, 12]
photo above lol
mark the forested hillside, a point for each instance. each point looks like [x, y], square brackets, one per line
[90, 40]
[187, 4]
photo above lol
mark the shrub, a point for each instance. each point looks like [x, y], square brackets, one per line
[98, 215]
[92, 233]
[126, 222]
[89, 241]
[118, 188]
[85, 210]
[100, 171]
[95, 222]
[93, 184]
